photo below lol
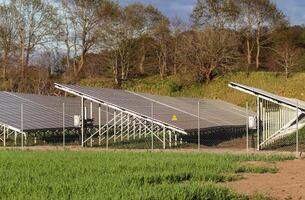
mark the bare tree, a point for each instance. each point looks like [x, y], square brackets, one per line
[216, 13]
[254, 18]
[144, 20]
[177, 27]
[81, 22]
[162, 39]
[261, 18]
[7, 34]
[35, 24]
[286, 52]
[211, 51]
[267, 15]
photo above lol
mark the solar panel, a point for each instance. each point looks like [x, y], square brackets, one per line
[280, 99]
[213, 113]
[39, 112]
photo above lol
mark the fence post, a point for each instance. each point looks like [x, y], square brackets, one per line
[91, 117]
[170, 139]
[152, 126]
[258, 121]
[21, 117]
[107, 127]
[164, 132]
[83, 121]
[198, 125]
[63, 125]
[99, 124]
[297, 131]
[247, 126]
[4, 136]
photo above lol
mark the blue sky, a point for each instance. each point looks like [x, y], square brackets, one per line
[294, 9]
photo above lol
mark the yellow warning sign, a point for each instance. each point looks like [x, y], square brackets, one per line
[174, 118]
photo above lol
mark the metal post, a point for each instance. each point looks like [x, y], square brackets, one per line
[164, 138]
[21, 125]
[63, 125]
[99, 124]
[122, 126]
[198, 125]
[134, 128]
[83, 119]
[145, 129]
[170, 139]
[4, 136]
[128, 126]
[176, 139]
[140, 130]
[152, 126]
[15, 138]
[258, 121]
[107, 127]
[114, 127]
[91, 110]
[297, 131]
[247, 126]
[91, 117]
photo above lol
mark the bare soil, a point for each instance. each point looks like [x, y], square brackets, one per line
[288, 183]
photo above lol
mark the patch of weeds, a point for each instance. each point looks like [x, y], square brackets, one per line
[260, 196]
[258, 170]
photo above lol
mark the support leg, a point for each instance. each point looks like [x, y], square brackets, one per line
[107, 127]
[99, 125]
[114, 127]
[15, 138]
[170, 139]
[4, 136]
[83, 119]
[128, 126]
[164, 133]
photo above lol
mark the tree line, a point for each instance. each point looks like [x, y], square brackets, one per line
[68, 40]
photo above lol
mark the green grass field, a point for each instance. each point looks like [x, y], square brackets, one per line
[122, 175]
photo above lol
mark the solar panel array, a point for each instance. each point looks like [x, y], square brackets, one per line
[213, 113]
[39, 112]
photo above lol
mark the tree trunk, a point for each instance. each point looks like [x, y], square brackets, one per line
[258, 48]
[249, 56]
[68, 56]
[82, 62]
[116, 71]
[163, 68]
[27, 57]
[22, 56]
[175, 68]
[5, 59]
[286, 67]
[141, 64]
[142, 59]
[75, 68]
[75, 61]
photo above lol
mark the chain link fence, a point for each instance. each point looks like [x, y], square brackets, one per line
[107, 128]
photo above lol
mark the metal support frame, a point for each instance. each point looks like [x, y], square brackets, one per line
[119, 127]
[125, 123]
[7, 132]
[275, 121]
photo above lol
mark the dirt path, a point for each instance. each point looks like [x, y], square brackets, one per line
[288, 183]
